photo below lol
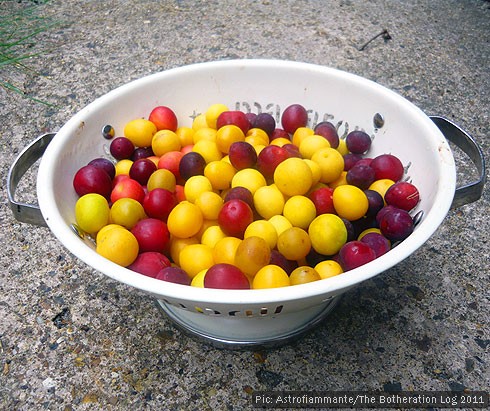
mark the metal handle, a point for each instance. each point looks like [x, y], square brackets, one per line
[470, 192]
[26, 213]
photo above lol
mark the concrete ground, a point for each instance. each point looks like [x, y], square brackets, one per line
[72, 339]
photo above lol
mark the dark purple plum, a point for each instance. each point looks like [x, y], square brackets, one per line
[237, 118]
[396, 225]
[287, 265]
[375, 201]
[328, 130]
[269, 158]
[383, 211]
[191, 164]
[293, 150]
[351, 159]
[280, 133]
[152, 235]
[351, 231]
[362, 224]
[121, 148]
[141, 170]
[314, 257]
[379, 243]
[361, 176]
[358, 142]
[366, 161]
[141, 152]
[250, 118]
[240, 193]
[150, 263]
[242, 155]
[226, 276]
[104, 164]
[265, 122]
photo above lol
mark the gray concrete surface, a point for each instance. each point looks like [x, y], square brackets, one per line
[72, 339]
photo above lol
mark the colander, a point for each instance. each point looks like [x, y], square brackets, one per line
[251, 318]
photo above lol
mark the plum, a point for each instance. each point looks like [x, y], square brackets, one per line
[242, 155]
[226, 276]
[150, 263]
[92, 179]
[355, 253]
[173, 275]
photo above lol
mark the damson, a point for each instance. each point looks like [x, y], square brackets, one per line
[358, 142]
[361, 176]
[150, 263]
[141, 152]
[242, 155]
[121, 148]
[234, 217]
[269, 158]
[240, 193]
[396, 225]
[375, 201]
[351, 159]
[328, 130]
[265, 122]
[191, 164]
[386, 209]
[377, 242]
[237, 118]
[152, 235]
[173, 275]
[105, 165]
[141, 170]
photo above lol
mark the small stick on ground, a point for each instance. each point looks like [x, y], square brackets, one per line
[386, 36]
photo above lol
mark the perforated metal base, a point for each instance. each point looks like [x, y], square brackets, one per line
[247, 333]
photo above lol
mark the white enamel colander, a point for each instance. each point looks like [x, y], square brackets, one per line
[241, 318]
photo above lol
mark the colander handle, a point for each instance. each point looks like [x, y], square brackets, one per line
[467, 193]
[26, 213]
